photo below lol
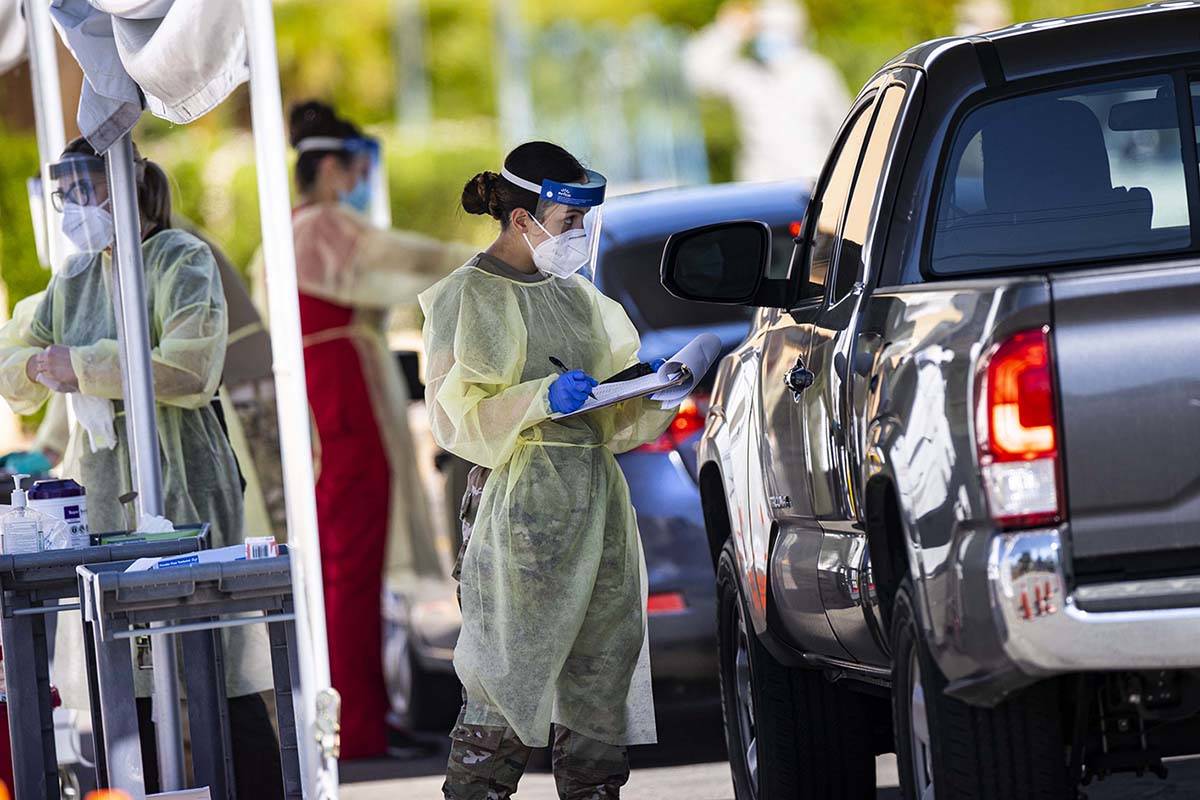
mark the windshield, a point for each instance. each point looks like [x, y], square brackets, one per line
[630, 275]
[1081, 174]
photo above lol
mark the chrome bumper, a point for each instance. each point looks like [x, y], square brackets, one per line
[1045, 631]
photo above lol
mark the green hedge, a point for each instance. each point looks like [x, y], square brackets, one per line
[19, 266]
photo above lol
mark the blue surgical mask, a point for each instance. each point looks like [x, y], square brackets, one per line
[771, 46]
[358, 198]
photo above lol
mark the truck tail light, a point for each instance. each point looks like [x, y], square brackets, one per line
[689, 420]
[1018, 432]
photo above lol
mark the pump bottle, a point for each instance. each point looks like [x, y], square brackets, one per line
[21, 528]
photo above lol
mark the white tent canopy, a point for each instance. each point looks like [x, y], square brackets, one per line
[12, 35]
[178, 59]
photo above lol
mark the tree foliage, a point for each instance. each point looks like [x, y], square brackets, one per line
[344, 52]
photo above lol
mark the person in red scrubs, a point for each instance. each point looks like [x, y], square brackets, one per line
[371, 508]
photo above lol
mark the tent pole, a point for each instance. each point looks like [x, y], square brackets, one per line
[47, 113]
[318, 705]
[142, 430]
[51, 131]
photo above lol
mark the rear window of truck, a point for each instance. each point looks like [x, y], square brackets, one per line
[1082, 174]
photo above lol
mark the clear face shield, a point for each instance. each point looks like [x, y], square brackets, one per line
[567, 223]
[80, 205]
[369, 190]
[37, 213]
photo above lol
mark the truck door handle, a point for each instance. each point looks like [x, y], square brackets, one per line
[798, 378]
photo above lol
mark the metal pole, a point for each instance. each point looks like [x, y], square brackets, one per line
[514, 95]
[51, 132]
[142, 428]
[380, 212]
[317, 705]
[47, 113]
[415, 106]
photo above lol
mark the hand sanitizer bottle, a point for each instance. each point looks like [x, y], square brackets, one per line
[21, 528]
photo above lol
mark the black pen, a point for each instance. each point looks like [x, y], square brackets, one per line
[562, 370]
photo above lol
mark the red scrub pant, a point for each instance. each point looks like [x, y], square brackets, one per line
[353, 501]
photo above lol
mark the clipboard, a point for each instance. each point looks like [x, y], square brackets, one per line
[673, 381]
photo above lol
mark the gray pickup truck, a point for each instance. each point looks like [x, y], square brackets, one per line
[951, 479]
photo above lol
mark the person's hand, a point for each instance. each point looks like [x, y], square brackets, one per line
[741, 17]
[33, 366]
[55, 371]
[570, 391]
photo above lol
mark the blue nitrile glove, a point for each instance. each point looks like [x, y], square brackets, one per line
[570, 391]
[656, 363]
[29, 463]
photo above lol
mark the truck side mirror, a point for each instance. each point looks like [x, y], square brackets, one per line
[724, 263]
[798, 273]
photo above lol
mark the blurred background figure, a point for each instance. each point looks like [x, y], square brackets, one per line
[371, 507]
[788, 101]
[247, 401]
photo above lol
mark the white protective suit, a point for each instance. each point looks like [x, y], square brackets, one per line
[788, 107]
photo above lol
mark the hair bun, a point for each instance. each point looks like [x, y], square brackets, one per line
[312, 118]
[479, 195]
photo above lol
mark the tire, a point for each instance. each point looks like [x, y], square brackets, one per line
[791, 734]
[1014, 750]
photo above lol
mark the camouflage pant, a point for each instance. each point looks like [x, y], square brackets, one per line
[254, 403]
[476, 479]
[486, 763]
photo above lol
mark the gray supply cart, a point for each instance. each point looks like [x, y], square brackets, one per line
[31, 588]
[196, 603]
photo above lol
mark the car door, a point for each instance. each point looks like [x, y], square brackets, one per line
[786, 528]
[843, 572]
[743, 433]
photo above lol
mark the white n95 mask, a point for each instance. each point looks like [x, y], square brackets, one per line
[90, 228]
[569, 252]
[563, 255]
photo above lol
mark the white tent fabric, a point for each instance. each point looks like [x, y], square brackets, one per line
[178, 58]
[12, 34]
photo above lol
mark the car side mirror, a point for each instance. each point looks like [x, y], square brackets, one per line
[724, 263]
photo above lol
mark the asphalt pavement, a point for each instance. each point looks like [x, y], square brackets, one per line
[689, 764]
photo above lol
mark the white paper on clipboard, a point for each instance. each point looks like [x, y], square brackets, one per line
[670, 385]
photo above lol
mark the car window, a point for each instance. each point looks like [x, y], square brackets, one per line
[1196, 113]
[1069, 175]
[866, 186]
[833, 203]
[630, 275]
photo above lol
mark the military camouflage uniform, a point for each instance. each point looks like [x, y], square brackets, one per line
[254, 402]
[486, 761]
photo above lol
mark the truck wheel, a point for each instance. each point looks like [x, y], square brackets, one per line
[1015, 749]
[790, 732]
